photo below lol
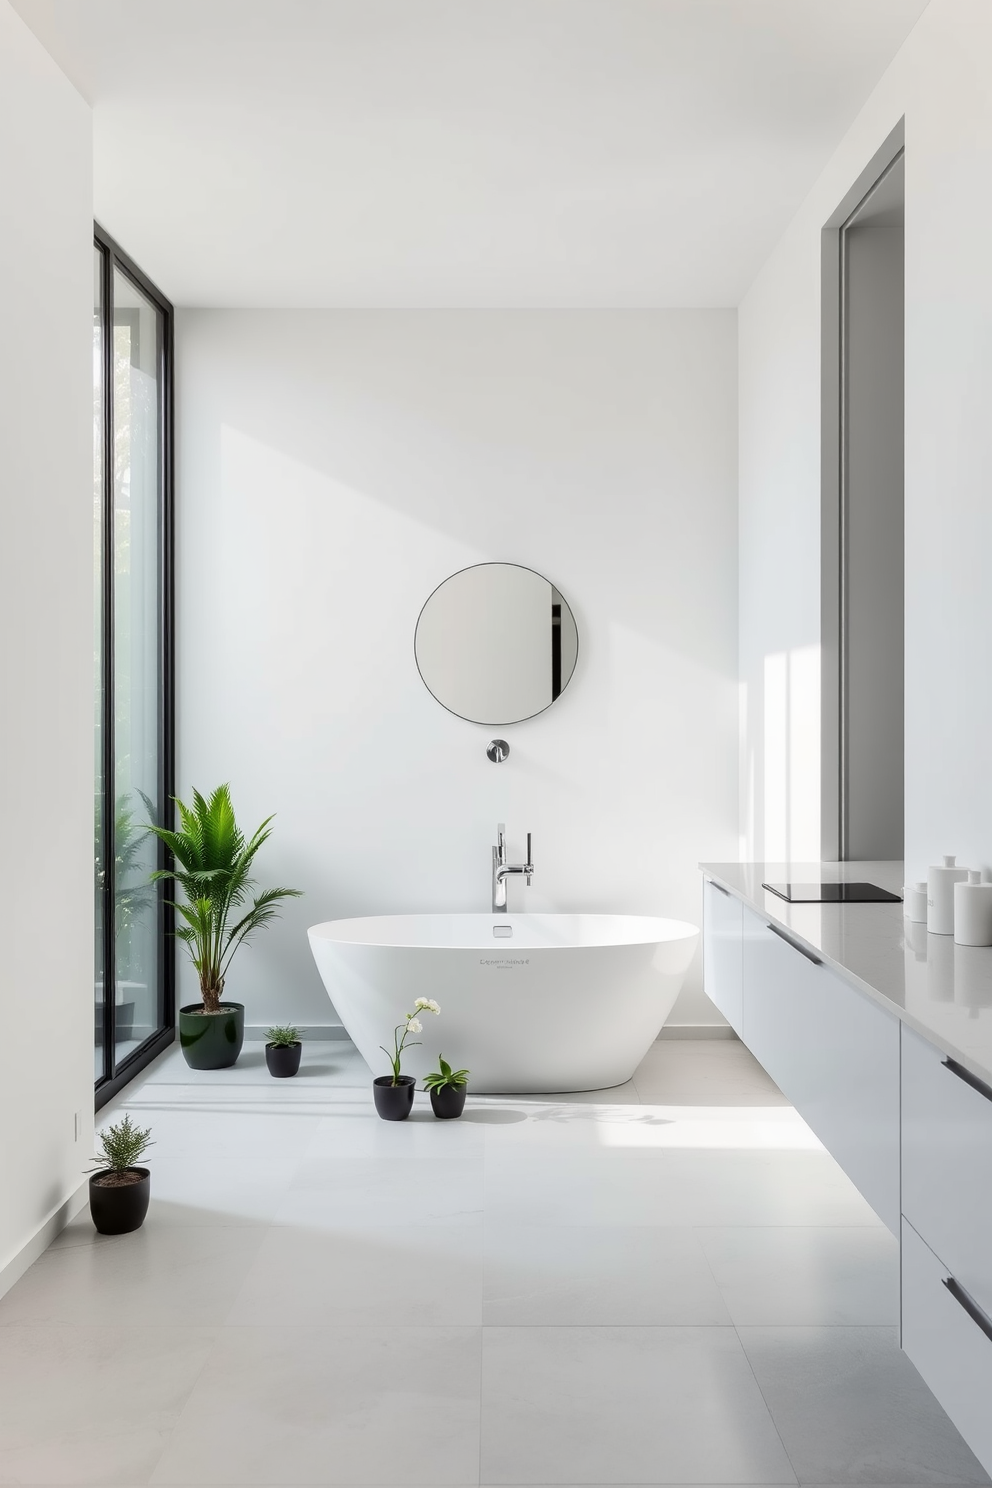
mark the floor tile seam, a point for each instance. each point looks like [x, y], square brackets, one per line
[217, 1329]
[482, 1392]
[653, 1224]
[788, 1224]
[167, 1435]
[316, 1327]
[612, 1327]
[764, 1401]
[179, 1098]
[793, 1225]
[723, 1296]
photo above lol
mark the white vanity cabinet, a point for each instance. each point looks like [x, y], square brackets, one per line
[947, 1235]
[723, 958]
[947, 1163]
[833, 1052]
[949, 1341]
[910, 1126]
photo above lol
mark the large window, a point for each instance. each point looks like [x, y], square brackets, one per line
[134, 995]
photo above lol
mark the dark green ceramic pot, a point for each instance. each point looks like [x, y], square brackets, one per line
[212, 1040]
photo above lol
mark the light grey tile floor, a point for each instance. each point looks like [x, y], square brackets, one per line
[669, 1283]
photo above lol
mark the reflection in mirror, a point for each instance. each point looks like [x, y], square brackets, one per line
[496, 643]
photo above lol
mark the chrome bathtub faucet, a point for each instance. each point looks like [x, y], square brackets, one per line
[502, 869]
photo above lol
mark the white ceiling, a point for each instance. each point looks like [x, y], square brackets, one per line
[462, 152]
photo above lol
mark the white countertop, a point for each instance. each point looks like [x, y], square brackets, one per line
[942, 990]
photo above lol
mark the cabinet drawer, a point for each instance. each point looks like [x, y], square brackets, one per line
[834, 1053]
[950, 1345]
[723, 970]
[947, 1165]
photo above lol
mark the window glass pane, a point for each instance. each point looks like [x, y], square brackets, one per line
[98, 662]
[138, 330]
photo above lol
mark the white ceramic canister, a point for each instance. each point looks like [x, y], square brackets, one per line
[940, 895]
[973, 911]
[914, 902]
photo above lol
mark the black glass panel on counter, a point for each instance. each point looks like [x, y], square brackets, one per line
[832, 893]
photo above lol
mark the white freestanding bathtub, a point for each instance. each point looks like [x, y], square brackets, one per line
[538, 1002]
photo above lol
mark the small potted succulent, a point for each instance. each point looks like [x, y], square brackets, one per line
[119, 1191]
[393, 1094]
[447, 1088]
[212, 865]
[283, 1050]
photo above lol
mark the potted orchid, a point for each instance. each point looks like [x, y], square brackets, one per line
[393, 1094]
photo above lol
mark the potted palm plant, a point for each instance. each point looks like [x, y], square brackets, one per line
[119, 1191]
[448, 1089]
[282, 1052]
[212, 865]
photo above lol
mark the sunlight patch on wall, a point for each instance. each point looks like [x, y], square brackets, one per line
[791, 717]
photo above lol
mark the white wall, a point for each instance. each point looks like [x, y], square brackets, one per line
[941, 81]
[333, 469]
[46, 660]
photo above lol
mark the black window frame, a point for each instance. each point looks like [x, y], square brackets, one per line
[116, 1076]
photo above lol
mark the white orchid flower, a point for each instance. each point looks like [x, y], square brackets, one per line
[426, 1005]
[414, 1025]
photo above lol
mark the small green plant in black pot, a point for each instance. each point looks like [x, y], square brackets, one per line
[119, 1190]
[448, 1089]
[212, 866]
[282, 1051]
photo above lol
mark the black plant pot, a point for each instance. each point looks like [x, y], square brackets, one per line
[449, 1101]
[283, 1060]
[212, 1040]
[118, 1209]
[393, 1102]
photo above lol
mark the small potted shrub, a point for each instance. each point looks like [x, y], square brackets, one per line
[282, 1052]
[119, 1191]
[393, 1094]
[447, 1088]
[212, 865]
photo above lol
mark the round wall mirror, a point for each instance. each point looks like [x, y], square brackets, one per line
[496, 643]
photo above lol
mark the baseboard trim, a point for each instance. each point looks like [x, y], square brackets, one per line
[39, 1243]
[697, 1031]
[255, 1032]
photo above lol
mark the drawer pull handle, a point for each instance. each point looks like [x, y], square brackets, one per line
[795, 945]
[970, 1306]
[968, 1077]
[719, 887]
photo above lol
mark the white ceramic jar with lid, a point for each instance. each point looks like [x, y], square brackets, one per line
[940, 895]
[914, 902]
[973, 911]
